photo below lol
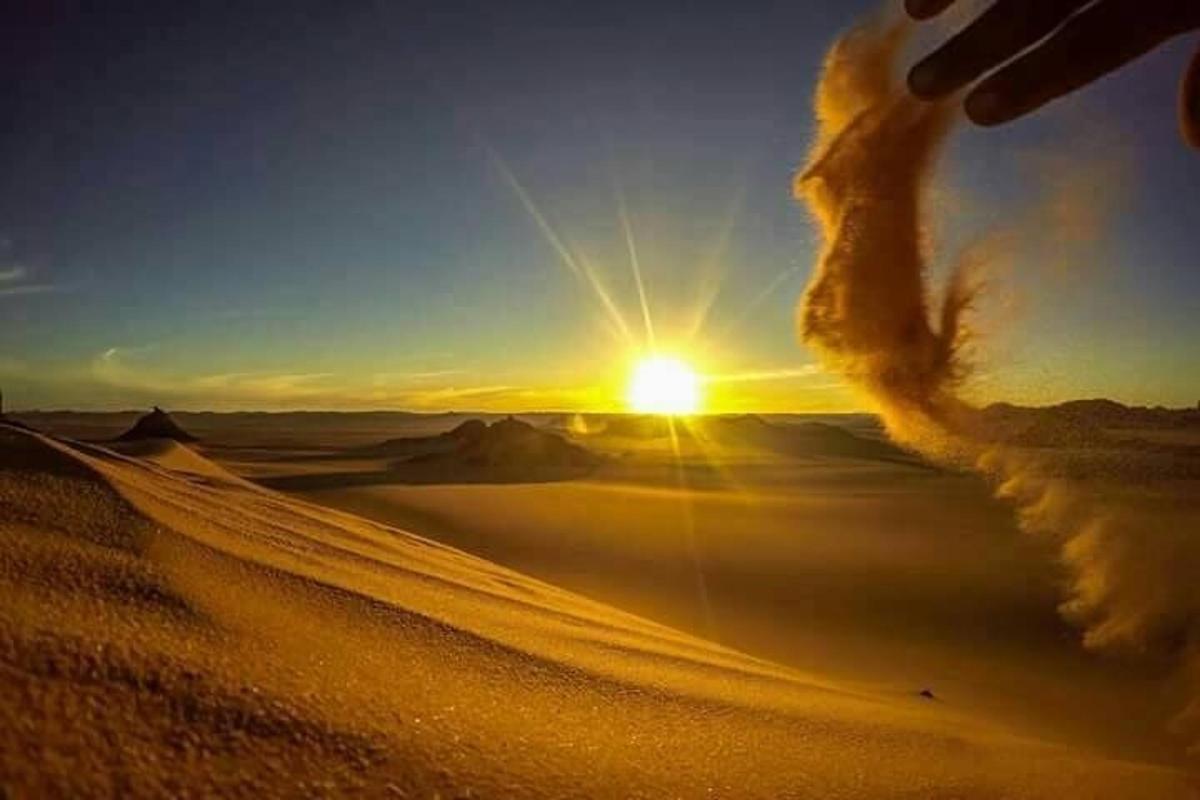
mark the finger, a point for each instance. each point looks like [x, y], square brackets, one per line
[1091, 44]
[924, 9]
[1001, 32]
[1189, 103]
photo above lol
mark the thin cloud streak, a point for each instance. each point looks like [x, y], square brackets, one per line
[114, 369]
[28, 289]
[111, 369]
[757, 376]
[381, 379]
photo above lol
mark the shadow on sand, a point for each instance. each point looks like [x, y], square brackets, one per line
[421, 475]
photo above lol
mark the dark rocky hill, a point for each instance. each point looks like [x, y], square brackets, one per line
[158, 424]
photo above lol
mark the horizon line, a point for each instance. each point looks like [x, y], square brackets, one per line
[563, 412]
[427, 413]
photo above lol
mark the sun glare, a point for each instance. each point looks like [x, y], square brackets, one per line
[662, 385]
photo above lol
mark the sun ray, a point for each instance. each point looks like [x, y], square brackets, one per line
[713, 278]
[689, 531]
[578, 265]
[606, 300]
[772, 286]
[636, 266]
[707, 448]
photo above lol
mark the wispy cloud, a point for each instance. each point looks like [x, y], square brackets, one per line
[263, 383]
[434, 397]
[383, 379]
[499, 398]
[122, 368]
[13, 367]
[27, 289]
[759, 376]
[11, 285]
[113, 367]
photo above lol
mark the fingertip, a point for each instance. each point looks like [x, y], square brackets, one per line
[986, 108]
[923, 80]
[1189, 103]
[915, 8]
[924, 9]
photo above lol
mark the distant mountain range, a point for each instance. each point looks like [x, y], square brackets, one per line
[796, 439]
[1105, 413]
[1081, 423]
[1074, 423]
[473, 450]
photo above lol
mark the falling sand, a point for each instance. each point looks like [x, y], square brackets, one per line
[1127, 538]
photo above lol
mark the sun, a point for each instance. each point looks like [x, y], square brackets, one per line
[664, 385]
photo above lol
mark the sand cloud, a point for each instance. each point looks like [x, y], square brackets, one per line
[1123, 525]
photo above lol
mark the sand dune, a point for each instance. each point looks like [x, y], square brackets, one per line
[167, 628]
[892, 580]
[171, 456]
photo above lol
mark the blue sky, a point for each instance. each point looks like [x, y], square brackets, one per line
[312, 205]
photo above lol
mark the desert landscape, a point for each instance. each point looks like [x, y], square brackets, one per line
[544, 400]
[783, 599]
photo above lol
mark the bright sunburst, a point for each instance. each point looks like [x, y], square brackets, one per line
[663, 385]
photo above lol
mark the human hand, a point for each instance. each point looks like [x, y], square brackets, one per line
[1077, 41]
